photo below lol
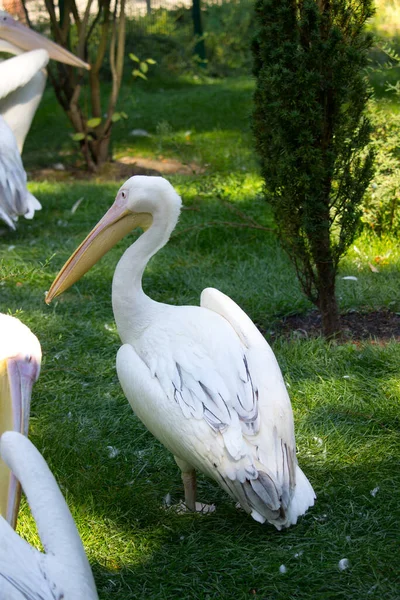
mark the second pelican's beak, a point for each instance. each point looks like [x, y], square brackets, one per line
[116, 224]
[17, 376]
[26, 39]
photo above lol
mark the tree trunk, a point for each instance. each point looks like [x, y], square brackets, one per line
[101, 150]
[327, 302]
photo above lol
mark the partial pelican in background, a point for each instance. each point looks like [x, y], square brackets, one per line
[202, 379]
[23, 77]
[20, 357]
[25, 573]
[22, 82]
[15, 200]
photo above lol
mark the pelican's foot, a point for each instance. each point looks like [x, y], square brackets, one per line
[200, 507]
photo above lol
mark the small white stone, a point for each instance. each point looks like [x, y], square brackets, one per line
[374, 491]
[140, 133]
[282, 569]
[112, 452]
[346, 376]
[350, 278]
[318, 440]
[59, 167]
[343, 564]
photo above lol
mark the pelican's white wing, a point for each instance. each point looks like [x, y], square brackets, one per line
[20, 573]
[209, 387]
[64, 571]
[275, 439]
[17, 71]
[15, 200]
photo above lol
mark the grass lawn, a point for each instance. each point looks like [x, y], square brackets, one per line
[113, 473]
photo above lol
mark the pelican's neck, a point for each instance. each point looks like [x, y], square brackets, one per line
[133, 309]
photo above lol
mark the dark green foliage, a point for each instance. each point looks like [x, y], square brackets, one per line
[311, 132]
[167, 36]
[381, 206]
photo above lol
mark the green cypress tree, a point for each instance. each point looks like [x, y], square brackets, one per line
[311, 132]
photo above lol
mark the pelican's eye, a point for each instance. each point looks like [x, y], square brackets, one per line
[123, 194]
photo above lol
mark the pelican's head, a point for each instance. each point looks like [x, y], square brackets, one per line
[19, 38]
[140, 201]
[20, 357]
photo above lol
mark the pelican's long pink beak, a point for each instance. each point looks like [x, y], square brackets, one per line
[26, 39]
[116, 223]
[17, 376]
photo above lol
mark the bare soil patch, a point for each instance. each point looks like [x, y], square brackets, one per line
[123, 168]
[379, 326]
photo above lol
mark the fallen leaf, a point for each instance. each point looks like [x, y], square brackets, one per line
[373, 269]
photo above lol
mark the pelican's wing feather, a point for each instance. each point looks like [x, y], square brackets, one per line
[20, 567]
[274, 441]
[17, 71]
[15, 200]
[220, 393]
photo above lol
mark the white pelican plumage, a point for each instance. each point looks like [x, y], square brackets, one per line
[22, 82]
[20, 358]
[23, 77]
[15, 199]
[63, 571]
[202, 379]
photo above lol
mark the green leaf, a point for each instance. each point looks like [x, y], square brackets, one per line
[134, 57]
[94, 122]
[78, 137]
[116, 117]
[151, 61]
[144, 67]
[137, 73]
[123, 114]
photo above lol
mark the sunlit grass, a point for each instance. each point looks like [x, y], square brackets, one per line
[113, 473]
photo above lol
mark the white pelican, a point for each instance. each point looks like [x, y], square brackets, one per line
[63, 572]
[20, 357]
[22, 82]
[202, 379]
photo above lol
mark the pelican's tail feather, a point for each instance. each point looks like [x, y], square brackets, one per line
[303, 497]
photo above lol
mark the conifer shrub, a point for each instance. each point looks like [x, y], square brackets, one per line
[311, 132]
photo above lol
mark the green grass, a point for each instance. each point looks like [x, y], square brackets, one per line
[345, 397]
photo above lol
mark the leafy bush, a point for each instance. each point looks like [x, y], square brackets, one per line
[229, 29]
[381, 207]
[167, 36]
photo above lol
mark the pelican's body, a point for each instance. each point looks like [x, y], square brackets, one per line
[20, 358]
[22, 82]
[202, 379]
[63, 572]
